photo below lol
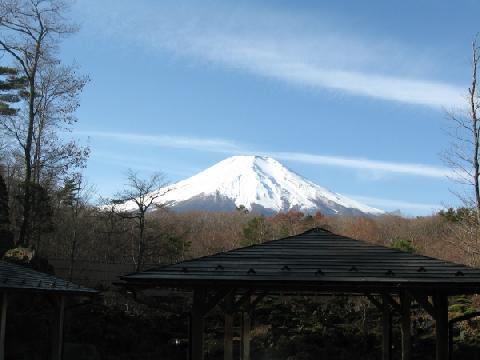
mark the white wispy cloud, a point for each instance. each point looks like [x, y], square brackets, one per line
[178, 142]
[393, 204]
[139, 162]
[366, 164]
[228, 147]
[292, 48]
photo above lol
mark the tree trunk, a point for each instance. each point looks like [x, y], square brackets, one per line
[24, 230]
[476, 142]
[72, 255]
[141, 245]
[38, 151]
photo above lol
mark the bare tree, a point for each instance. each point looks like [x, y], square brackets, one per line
[463, 157]
[76, 196]
[59, 88]
[30, 31]
[110, 228]
[134, 203]
[463, 154]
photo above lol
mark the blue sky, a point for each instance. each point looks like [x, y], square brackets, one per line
[349, 94]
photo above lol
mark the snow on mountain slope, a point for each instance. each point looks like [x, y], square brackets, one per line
[259, 183]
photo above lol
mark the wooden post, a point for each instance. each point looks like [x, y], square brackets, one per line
[405, 304]
[197, 325]
[3, 323]
[246, 327]
[189, 350]
[386, 329]
[57, 329]
[228, 333]
[450, 341]
[441, 326]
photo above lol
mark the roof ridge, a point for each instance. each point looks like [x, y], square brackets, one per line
[306, 232]
[312, 230]
[18, 277]
[315, 258]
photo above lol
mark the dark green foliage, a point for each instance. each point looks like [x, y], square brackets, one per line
[69, 193]
[458, 214]
[12, 90]
[255, 231]
[461, 305]
[173, 246]
[403, 245]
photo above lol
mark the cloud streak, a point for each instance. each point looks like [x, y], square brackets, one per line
[177, 142]
[227, 147]
[291, 48]
[397, 204]
[366, 164]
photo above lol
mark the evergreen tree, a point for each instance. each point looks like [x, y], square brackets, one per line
[256, 231]
[12, 90]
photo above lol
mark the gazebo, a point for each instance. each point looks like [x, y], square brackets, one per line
[315, 262]
[18, 280]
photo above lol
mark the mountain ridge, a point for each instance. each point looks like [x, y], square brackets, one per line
[259, 183]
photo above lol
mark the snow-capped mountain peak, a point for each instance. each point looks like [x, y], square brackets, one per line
[259, 183]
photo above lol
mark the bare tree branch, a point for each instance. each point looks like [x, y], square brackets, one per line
[135, 201]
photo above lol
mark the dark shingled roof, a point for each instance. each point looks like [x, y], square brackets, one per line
[15, 277]
[316, 260]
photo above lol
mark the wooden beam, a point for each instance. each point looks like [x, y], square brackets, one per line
[385, 308]
[228, 333]
[441, 326]
[189, 352]
[214, 299]
[57, 328]
[424, 303]
[386, 329]
[243, 300]
[405, 306]
[395, 305]
[450, 340]
[197, 324]
[259, 298]
[3, 323]
[245, 343]
[377, 303]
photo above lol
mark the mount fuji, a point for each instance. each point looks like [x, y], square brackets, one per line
[259, 183]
